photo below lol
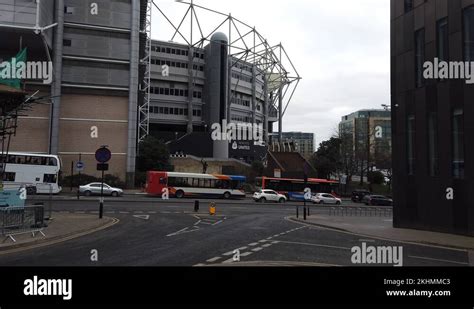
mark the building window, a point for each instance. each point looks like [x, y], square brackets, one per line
[469, 34]
[419, 57]
[458, 143]
[433, 151]
[442, 39]
[67, 42]
[411, 140]
[408, 5]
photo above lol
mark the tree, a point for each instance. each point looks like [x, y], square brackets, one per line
[327, 160]
[258, 168]
[154, 156]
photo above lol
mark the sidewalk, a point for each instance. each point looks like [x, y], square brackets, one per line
[382, 227]
[61, 228]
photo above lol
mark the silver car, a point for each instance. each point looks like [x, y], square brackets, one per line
[95, 189]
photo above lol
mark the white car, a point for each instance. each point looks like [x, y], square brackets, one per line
[325, 198]
[96, 187]
[270, 196]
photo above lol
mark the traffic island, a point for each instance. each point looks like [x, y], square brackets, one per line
[382, 228]
[61, 228]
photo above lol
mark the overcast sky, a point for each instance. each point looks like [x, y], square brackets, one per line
[340, 48]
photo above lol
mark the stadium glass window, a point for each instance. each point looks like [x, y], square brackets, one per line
[442, 39]
[419, 57]
[411, 140]
[469, 34]
[458, 143]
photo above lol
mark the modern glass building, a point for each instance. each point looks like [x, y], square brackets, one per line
[433, 153]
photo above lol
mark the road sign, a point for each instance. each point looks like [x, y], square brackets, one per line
[102, 167]
[103, 155]
[80, 166]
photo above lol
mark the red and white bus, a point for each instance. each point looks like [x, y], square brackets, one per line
[293, 189]
[181, 185]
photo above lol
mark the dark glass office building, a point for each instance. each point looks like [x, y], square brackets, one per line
[433, 131]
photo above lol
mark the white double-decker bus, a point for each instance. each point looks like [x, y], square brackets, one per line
[39, 171]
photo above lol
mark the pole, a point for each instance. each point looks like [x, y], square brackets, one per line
[72, 174]
[101, 209]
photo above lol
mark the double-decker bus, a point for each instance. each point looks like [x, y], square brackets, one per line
[293, 189]
[181, 185]
[38, 171]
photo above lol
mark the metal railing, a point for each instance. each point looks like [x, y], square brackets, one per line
[347, 211]
[21, 220]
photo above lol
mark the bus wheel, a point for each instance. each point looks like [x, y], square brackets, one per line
[227, 195]
[88, 193]
[179, 194]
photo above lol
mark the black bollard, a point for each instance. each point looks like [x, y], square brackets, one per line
[196, 206]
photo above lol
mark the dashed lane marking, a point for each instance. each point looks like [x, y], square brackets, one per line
[257, 249]
[217, 258]
[253, 244]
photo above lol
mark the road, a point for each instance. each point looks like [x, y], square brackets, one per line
[169, 233]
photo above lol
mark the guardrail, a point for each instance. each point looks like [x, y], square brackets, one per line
[348, 211]
[21, 220]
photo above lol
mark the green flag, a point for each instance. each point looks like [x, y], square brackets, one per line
[6, 69]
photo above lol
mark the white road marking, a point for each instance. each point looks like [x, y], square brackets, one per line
[275, 242]
[228, 253]
[246, 254]
[143, 217]
[218, 222]
[152, 212]
[139, 212]
[437, 260]
[229, 261]
[242, 249]
[256, 249]
[184, 231]
[217, 258]
[197, 222]
[263, 240]
[253, 244]
[200, 265]
[314, 245]
[267, 245]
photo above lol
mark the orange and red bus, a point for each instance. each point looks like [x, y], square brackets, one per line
[293, 189]
[181, 185]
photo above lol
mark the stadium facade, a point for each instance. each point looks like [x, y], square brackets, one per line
[109, 87]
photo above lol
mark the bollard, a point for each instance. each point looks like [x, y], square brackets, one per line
[196, 206]
[212, 209]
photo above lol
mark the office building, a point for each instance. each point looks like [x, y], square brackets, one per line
[432, 153]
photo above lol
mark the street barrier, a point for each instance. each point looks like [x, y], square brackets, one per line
[21, 220]
[349, 211]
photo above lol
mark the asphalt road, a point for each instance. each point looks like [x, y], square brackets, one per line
[169, 233]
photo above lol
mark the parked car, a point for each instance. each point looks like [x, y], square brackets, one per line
[263, 196]
[95, 189]
[377, 200]
[358, 195]
[325, 198]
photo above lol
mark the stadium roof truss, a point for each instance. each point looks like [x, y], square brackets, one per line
[246, 45]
